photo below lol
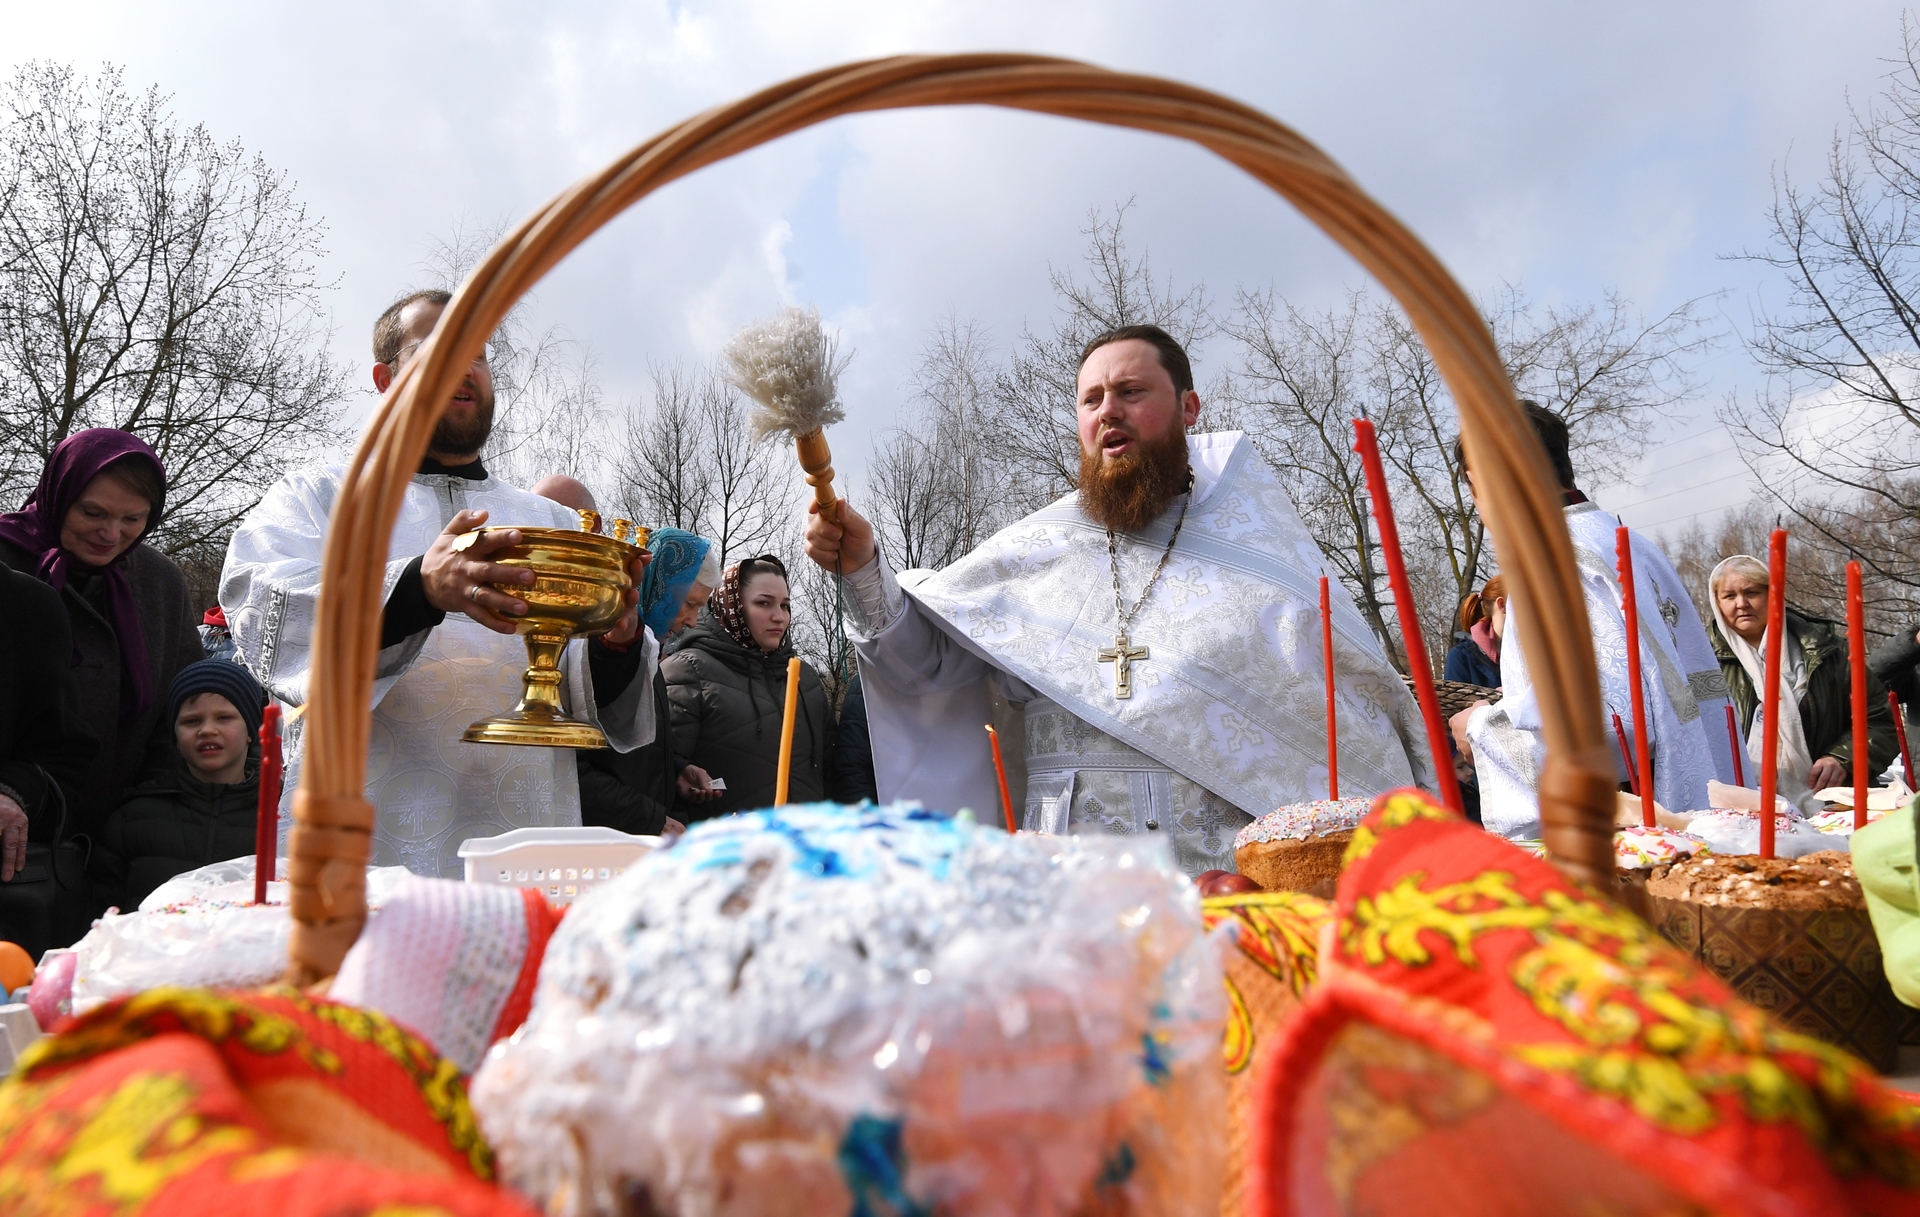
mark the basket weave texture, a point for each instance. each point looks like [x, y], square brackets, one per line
[331, 840]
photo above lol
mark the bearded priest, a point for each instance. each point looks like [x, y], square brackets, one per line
[1160, 627]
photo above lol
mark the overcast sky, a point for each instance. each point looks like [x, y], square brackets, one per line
[1567, 149]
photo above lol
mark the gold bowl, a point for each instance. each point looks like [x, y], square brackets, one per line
[579, 590]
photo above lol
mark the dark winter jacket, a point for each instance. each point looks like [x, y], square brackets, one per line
[851, 778]
[1897, 664]
[1467, 663]
[130, 750]
[171, 824]
[633, 791]
[45, 746]
[727, 704]
[1826, 713]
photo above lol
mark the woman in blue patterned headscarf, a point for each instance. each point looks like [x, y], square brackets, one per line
[640, 791]
[678, 558]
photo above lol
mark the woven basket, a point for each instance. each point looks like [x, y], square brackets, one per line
[331, 838]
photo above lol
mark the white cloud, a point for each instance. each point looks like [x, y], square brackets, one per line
[1568, 148]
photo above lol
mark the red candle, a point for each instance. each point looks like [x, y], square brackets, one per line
[1857, 661]
[1900, 729]
[1739, 749]
[1770, 695]
[1000, 771]
[1642, 763]
[1438, 740]
[1626, 756]
[1326, 653]
[266, 821]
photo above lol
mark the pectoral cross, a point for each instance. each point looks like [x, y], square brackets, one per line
[1121, 655]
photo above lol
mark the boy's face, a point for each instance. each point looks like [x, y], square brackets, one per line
[212, 737]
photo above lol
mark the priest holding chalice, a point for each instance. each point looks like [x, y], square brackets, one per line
[444, 763]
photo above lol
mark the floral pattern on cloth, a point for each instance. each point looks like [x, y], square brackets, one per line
[1269, 952]
[192, 1101]
[1489, 1037]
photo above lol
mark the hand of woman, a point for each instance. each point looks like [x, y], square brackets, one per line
[696, 786]
[1828, 772]
[13, 838]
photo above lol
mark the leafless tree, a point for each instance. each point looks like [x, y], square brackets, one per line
[550, 412]
[932, 486]
[751, 498]
[1834, 437]
[1304, 377]
[663, 474]
[1605, 368]
[1035, 442]
[155, 279]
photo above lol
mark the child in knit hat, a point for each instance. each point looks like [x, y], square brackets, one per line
[201, 808]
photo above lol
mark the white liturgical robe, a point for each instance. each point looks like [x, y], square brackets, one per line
[430, 789]
[1685, 693]
[1226, 718]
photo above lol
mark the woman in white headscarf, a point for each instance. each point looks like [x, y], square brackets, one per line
[1816, 689]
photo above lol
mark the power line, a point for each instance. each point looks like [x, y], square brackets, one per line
[1744, 473]
[1690, 460]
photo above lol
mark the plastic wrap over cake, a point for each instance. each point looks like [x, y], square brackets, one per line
[199, 929]
[826, 1010]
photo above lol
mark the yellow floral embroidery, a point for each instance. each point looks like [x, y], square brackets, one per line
[141, 1137]
[215, 1017]
[1612, 983]
[1236, 1044]
[218, 1017]
[1399, 810]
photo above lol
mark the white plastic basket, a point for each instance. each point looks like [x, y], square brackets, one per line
[564, 863]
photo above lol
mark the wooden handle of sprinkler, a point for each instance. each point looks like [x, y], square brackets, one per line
[783, 776]
[816, 461]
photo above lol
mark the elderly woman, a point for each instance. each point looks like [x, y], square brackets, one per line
[1816, 715]
[81, 532]
[635, 791]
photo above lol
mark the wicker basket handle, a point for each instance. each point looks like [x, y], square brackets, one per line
[331, 840]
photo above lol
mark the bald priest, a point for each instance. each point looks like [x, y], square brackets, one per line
[1160, 627]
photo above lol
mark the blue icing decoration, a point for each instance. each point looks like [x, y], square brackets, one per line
[1119, 1168]
[1154, 1062]
[873, 1166]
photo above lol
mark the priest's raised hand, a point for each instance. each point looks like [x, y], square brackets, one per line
[844, 545]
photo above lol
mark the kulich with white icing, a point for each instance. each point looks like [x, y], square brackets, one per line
[1299, 821]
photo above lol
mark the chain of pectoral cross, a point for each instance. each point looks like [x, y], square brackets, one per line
[1123, 654]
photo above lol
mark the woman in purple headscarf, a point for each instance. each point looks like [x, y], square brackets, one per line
[133, 626]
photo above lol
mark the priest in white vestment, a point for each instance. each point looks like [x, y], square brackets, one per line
[1160, 627]
[448, 654]
[1685, 693]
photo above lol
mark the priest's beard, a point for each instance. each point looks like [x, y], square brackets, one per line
[454, 434]
[1127, 493]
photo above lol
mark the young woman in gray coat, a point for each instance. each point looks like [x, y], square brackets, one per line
[727, 687]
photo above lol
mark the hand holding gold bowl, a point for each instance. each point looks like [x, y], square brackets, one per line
[580, 586]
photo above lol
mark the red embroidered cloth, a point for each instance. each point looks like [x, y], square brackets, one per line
[1485, 1037]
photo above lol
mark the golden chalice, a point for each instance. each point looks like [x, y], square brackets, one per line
[579, 590]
